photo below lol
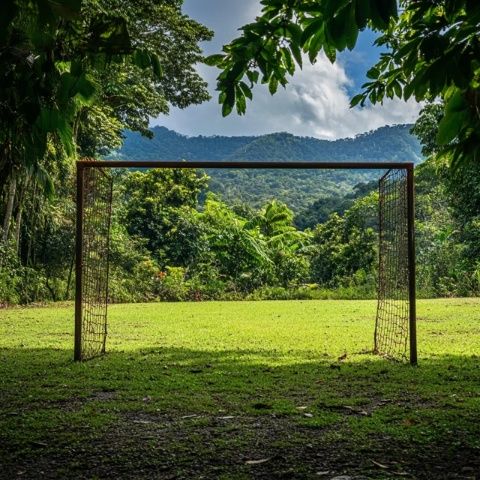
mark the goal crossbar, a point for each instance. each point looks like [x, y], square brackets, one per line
[403, 195]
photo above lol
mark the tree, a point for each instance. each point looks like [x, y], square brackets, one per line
[48, 50]
[448, 202]
[159, 205]
[74, 75]
[240, 252]
[432, 51]
[275, 222]
[283, 241]
[345, 246]
[127, 94]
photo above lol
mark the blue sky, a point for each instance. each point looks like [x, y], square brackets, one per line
[315, 103]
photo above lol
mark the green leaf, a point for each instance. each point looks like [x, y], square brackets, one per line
[338, 29]
[229, 102]
[297, 54]
[273, 85]
[235, 72]
[226, 109]
[141, 58]
[240, 102]
[408, 90]
[352, 30]
[312, 30]
[357, 99]
[332, 7]
[110, 35]
[387, 9]
[156, 66]
[397, 88]
[253, 76]
[246, 90]
[54, 121]
[315, 45]
[288, 60]
[214, 60]
[373, 73]
[456, 117]
[362, 13]
[330, 52]
[294, 31]
[49, 119]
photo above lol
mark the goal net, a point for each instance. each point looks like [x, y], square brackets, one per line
[94, 212]
[394, 335]
[393, 308]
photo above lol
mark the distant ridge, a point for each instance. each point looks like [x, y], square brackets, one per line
[389, 143]
[296, 188]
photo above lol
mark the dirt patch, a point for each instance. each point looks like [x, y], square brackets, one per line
[159, 446]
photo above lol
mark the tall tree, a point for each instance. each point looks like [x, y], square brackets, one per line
[127, 95]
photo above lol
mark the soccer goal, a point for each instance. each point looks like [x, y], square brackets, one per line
[395, 322]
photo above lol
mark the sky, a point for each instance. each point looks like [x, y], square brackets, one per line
[315, 102]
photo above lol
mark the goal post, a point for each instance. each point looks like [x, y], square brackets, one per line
[395, 322]
[94, 211]
[395, 328]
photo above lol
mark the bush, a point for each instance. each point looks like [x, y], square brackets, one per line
[10, 276]
[172, 284]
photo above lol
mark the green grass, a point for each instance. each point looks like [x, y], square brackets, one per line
[197, 390]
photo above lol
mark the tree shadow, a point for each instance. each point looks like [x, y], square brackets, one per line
[182, 413]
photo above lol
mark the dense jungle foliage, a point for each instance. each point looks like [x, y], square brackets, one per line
[76, 74]
[173, 239]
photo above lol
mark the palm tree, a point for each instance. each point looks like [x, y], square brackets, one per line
[275, 223]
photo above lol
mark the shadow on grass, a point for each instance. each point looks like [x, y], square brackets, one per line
[180, 413]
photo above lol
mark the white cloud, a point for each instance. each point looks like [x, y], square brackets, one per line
[315, 103]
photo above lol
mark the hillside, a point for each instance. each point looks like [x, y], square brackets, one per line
[297, 188]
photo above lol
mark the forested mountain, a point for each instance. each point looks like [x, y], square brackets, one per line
[296, 188]
[393, 143]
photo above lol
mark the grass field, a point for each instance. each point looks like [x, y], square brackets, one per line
[240, 390]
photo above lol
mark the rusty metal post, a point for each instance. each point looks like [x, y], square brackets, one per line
[79, 265]
[380, 267]
[411, 265]
[109, 224]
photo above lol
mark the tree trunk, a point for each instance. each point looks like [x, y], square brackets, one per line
[18, 224]
[51, 290]
[18, 218]
[9, 209]
[32, 227]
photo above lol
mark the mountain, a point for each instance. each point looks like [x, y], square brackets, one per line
[297, 188]
[393, 143]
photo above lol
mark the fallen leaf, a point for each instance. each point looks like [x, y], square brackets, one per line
[324, 473]
[257, 462]
[380, 465]
[39, 444]
[308, 415]
[356, 410]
